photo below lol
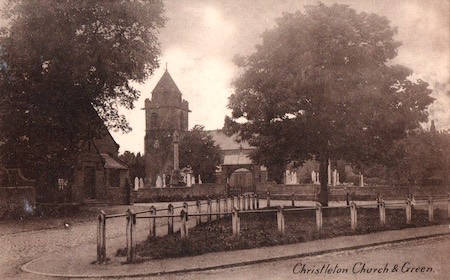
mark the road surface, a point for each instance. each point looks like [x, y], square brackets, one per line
[421, 259]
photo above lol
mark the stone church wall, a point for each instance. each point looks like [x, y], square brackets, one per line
[195, 192]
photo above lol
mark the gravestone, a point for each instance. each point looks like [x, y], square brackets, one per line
[334, 178]
[136, 183]
[159, 183]
[329, 172]
[188, 180]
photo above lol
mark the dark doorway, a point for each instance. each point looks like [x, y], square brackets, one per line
[89, 182]
[242, 179]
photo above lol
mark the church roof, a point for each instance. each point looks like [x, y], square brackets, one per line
[112, 163]
[239, 159]
[226, 142]
[166, 85]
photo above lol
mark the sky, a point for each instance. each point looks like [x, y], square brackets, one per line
[201, 37]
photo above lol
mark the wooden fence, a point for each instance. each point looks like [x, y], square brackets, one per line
[237, 205]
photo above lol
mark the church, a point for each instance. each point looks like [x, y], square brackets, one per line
[167, 119]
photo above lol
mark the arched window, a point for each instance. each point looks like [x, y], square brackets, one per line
[154, 120]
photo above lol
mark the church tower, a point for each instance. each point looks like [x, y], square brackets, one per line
[166, 118]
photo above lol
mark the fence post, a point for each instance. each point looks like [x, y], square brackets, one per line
[217, 208]
[408, 211]
[235, 222]
[268, 199]
[184, 228]
[292, 200]
[209, 210]
[198, 219]
[280, 219]
[152, 222]
[225, 205]
[101, 237]
[382, 209]
[248, 201]
[241, 202]
[353, 216]
[448, 206]
[319, 220]
[430, 209]
[170, 219]
[131, 236]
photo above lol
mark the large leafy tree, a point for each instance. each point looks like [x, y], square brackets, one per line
[66, 69]
[422, 158]
[199, 151]
[321, 85]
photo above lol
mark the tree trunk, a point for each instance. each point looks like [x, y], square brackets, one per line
[323, 177]
[276, 172]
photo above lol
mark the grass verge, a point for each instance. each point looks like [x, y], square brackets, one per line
[258, 230]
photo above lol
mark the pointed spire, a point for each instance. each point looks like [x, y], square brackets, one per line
[166, 85]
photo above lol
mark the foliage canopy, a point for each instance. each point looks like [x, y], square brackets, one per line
[199, 151]
[422, 158]
[321, 85]
[136, 164]
[67, 68]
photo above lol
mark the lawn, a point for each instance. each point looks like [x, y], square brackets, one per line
[260, 229]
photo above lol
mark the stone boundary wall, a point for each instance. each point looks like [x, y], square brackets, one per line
[194, 192]
[17, 194]
[390, 192]
[281, 191]
[17, 201]
[339, 193]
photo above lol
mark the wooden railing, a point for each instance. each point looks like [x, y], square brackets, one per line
[237, 205]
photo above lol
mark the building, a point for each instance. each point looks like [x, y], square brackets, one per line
[237, 168]
[166, 118]
[99, 175]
